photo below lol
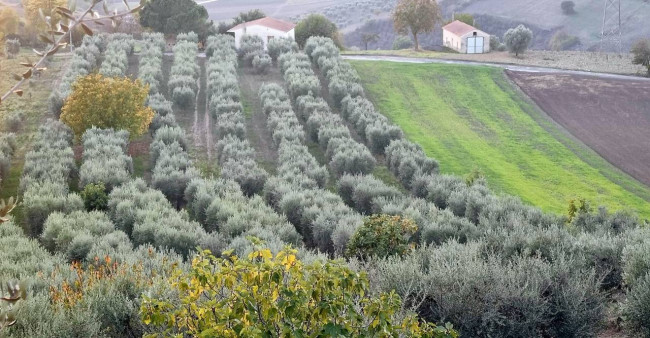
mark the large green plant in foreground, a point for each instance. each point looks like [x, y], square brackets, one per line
[264, 295]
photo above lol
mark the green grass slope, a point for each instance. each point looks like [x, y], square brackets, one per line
[471, 118]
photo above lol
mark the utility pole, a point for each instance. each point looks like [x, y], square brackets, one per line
[611, 33]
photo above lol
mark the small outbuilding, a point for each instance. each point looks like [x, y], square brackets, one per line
[465, 39]
[266, 28]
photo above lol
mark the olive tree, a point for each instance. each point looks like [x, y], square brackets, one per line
[518, 39]
[641, 52]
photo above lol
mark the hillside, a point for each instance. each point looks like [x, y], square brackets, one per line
[471, 118]
[586, 23]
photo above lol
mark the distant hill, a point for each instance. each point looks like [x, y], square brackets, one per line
[544, 17]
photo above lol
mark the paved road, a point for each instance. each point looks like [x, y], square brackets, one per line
[516, 68]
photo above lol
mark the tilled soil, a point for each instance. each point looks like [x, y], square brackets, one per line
[610, 116]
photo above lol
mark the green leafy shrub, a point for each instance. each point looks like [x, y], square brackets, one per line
[283, 285]
[563, 41]
[95, 197]
[402, 42]
[382, 236]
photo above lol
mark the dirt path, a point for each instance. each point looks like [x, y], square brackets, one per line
[256, 128]
[202, 131]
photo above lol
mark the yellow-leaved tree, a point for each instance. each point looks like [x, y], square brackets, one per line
[106, 102]
[266, 295]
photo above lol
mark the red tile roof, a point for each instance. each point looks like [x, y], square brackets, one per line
[459, 28]
[268, 22]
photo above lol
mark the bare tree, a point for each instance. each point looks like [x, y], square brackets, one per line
[415, 17]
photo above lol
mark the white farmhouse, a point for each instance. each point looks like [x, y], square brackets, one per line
[266, 28]
[464, 38]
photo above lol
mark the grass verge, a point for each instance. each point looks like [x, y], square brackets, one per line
[471, 118]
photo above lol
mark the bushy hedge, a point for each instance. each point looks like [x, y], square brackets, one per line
[150, 66]
[485, 296]
[235, 155]
[48, 168]
[249, 46]
[182, 83]
[22, 258]
[345, 155]
[164, 116]
[172, 167]
[221, 207]
[105, 158]
[85, 60]
[219, 41]
[116, 56]
[321, 217]
[279, 46]
[74, 235]
[360, 192]
[406, 160]
[262, 63]
[147, 217]
[13, 120]
[7, 150]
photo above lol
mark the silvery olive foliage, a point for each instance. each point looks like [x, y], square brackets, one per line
[249, 47]
[172, 167]
[345, 155]
[85, 60]
[147, 217]
[105, 158]
[262, 63]
[7, 149]
[116, 55]
[46, 174]
[221, 207]
[279, 46]
[164, 114]
[225, 106]
[184, 74]
[74, 235]
[150, 66]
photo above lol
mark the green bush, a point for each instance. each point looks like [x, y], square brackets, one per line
[14, 120]
[637, 307]
[382, 236]
[563, 41]
[95, 197]
[402, 42]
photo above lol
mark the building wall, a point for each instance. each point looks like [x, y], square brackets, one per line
[486, 40]
[263, 32]
[459, 43]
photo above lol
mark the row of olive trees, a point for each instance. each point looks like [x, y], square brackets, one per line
[105, 159]
[183, 76]
[116, 55]
[85, 60]
[234, 153]
[320, 216]
[46, 175]
[150, 64]
[591, 257]
[344, 154]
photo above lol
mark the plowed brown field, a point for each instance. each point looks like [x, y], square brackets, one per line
[610, 116]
